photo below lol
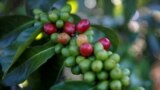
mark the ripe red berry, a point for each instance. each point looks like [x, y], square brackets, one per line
[69, 28]
[49, 28]
[82, 26]
[105, 42]
[63, 38]
[86, 49]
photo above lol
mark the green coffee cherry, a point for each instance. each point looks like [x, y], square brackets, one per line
[90, 38]
[89, 32]
[54, 37]
[53, 16]
[115, 85]
[109, 64]
[71, 19]
[73, 42]
[37, 11]
[66, 8]
[79, 59]
[76, 70]
[115, 57]
[103, 75]
[103, 85]
[139, 88]
[85, 65]
[73, 50]
[58, 48]
[98, 47]
[97, 65]
[126, 72]
[102, 55]
[116, 73]
[59, 23]
[65, 52]
[92, 58]
[37, 23]
[125, 81]
[89, 77]
[64, 16]
[70, 62]
[44, 18]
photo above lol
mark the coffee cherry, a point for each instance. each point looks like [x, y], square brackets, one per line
[44, 18]
[81, 39]
[79, 59]
[63, 38]
[73, 42]
[76, 70]
[102, 55]
[105, 42]
[115, 85]
[98, 47]
[92, 58]
[97, 65]
[103, 85]
[86, 49]
[85, 65]
[116, 73]
[73, 50]
[90, 39]
[126, 72]
[64, 16]
[109, 64]
[69, 28]
[66, 8]
[139, 88]
[70, 61]
[58, 48]
[59, 23]
[54, 37]
[53, 16]
[103, 75]
[82, 26]
[89, 32]
[37, 11]
[125, 80]
[65, 52]
[89, 77]
[115, 57]
[49, 28]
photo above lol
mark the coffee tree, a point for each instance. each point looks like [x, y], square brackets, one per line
[39, 49]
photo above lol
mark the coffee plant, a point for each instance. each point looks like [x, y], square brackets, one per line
[39, 50]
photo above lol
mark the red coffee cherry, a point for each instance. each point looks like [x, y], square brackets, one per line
[86, 49]
[49, 28]
[83, 26]
[105, 42]
[69, 28]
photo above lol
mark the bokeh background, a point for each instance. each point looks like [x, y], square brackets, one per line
[137, 23]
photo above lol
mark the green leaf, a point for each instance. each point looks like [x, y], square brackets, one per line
[12, 35]
[73, 85]
[44, 5]
[10, 55]
[129, 9]
[76, 18]
[111, 34]
[23, 71]
[9, 23]
[52, 69]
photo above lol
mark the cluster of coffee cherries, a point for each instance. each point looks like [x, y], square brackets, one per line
[84, 55]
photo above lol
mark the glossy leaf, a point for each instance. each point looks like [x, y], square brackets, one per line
[112, 35]
[10, 55]
[22, 72]
[129, 9]
[44, 5]
[12, 35]
[10, 23]
[73, 85]
[76, 18]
